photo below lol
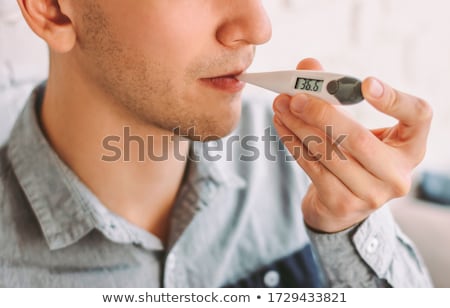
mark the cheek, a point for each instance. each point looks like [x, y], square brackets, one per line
[157, 63]
[164, 37]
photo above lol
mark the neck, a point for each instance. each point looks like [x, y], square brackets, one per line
[141, 182]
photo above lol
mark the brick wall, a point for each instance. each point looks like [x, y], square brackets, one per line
[405, 42]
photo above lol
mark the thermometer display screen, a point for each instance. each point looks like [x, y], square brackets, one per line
[313, 85]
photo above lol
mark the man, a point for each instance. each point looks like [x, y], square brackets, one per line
[75, 214]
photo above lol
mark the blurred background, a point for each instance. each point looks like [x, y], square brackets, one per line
[403, 42]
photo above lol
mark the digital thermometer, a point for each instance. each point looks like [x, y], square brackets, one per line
[333, 88]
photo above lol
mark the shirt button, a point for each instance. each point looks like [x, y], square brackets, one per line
[272, 279]
[373, 245]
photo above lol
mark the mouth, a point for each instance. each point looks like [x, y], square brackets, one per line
[226, 83]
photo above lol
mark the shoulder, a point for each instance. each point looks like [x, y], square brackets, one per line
[5, 169]
[14, 211]
[20, 237]
[6, 186]
[6, 206]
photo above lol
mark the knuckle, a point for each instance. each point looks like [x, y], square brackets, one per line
[392, 103]
[424, 110]
[317, 167]
[374, 200]
[420, 156]
[364, 141]
[414, 155]
[401, 186]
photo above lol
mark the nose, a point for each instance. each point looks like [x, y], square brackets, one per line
[246, 23]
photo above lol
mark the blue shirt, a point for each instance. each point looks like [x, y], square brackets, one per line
[236, 223]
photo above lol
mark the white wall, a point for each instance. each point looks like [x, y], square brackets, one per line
[404, 42]
[23, 63]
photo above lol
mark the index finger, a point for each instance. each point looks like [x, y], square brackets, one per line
[411, 111]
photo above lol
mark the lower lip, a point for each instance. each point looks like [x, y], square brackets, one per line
[225, 84]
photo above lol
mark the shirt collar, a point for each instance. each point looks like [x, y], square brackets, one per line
[42, 175]
[58, 199]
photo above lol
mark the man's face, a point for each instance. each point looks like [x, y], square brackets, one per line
[170, 63]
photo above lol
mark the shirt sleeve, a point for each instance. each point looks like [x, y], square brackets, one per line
[376, 253]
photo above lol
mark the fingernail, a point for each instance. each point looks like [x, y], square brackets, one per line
[282, 104]
[299, 102]
[376, 88]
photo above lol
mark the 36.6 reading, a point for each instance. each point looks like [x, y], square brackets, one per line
[316, 297]
[313, 85]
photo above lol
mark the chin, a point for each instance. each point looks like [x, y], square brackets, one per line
[208, 121]
[228, 121]
[209, 129]
[221, 129]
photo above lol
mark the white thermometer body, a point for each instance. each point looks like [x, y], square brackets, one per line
[333, 88]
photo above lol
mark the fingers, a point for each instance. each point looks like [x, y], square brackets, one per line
[409, 110]
[334, 207]
[354, 170]
[364, 147]
[310, 64]
[310, 164]
[343, 166]
[413, 113]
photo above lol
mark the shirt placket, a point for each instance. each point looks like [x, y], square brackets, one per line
[197, 197]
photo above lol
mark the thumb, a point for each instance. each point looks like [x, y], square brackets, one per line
[310, 64]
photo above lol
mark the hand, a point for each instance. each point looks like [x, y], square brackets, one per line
[354, 171]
